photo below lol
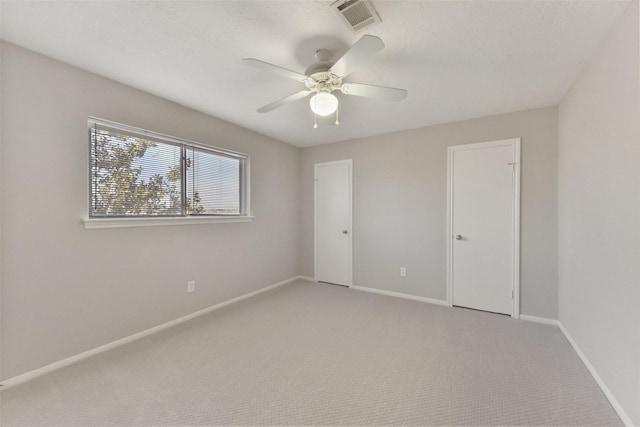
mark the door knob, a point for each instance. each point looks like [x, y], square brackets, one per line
[345, 232]
[458, 237]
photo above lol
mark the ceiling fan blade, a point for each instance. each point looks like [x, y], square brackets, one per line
[256, 63]
[285, 100]
[371, 91]
[360, 53]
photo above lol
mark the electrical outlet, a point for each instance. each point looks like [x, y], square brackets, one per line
[191, 286]
[403, 271]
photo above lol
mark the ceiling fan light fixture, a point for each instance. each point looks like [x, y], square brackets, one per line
[323, 103]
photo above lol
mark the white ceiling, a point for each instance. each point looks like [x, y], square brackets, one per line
[457, 59]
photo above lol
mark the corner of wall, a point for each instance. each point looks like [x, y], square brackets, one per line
[598, 209]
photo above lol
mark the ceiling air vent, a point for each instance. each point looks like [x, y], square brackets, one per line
[357, 14]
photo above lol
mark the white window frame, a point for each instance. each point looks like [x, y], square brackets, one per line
[149, 221]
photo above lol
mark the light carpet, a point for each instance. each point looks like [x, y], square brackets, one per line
[309, 353]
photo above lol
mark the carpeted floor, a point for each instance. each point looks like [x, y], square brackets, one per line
[310, 353]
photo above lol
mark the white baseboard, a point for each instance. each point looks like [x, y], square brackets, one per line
[27, 376]
[307, 278]
[536, 319]
[616, 406]
[400, 295]
[22, 378]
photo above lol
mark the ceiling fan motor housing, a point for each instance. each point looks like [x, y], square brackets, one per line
[321, 79]
[324, 81]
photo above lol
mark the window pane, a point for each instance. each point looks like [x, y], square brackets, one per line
[213, 184]
[132, 176]
[136, 172]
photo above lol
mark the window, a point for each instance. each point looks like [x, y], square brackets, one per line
[138, 173]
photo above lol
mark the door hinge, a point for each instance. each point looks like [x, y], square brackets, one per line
[511, 294]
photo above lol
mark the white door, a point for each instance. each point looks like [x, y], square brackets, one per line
[333, 222]
[484, 226]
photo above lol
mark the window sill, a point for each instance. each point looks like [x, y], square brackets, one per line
[90, 223]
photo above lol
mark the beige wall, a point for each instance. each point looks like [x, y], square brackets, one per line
[399, 205]
[599, 213]
[66, 289]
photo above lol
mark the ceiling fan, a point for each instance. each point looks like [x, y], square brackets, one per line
[326, 76]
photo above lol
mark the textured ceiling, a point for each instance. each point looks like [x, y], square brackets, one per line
[457, 59]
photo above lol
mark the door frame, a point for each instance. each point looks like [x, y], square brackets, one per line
[349, 163]
[515, 244]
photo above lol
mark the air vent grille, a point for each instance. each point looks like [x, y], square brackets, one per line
[357, 14]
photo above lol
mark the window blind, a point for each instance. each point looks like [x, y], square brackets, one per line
[213, 183]
[140, 173]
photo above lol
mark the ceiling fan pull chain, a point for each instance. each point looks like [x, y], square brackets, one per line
[315, 116]
[337, 115]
